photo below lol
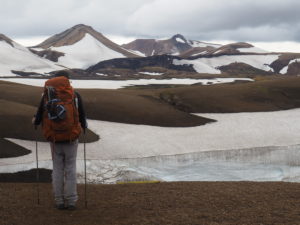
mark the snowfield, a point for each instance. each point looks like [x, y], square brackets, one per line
[252, 50]
[201, 53]
[19, 58]
[85, 53]
[115, 84]
[199, 44]
[180, 40]
[239, 146]
[151, 73]
[210, 65]
[135, 52]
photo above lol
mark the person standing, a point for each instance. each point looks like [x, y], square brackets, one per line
[62, 116]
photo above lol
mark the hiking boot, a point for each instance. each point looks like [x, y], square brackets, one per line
[71, 207]
[60, 206]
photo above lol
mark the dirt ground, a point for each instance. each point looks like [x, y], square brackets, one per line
[162, 203]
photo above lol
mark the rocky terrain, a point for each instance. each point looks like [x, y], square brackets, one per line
[177, 203]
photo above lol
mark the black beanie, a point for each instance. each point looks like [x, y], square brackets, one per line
[64, 73]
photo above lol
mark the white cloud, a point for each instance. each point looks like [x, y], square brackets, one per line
[219, 19]
[285, 46]
[30, 41]
[247, 20]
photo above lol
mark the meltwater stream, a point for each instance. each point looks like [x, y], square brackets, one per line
[252, 164]
[256, 164]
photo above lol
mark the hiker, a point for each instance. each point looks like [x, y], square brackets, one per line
[62, 116]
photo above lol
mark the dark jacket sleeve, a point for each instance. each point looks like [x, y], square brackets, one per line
[39, 114]
[82, 116]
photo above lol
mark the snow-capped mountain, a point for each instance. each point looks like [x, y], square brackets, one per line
[176, 45]
[242, 58]
[88, 51]
[235, 58]
[17, 58]
[80, 47]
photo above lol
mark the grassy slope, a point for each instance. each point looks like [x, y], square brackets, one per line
[136, 107]
[269, 94]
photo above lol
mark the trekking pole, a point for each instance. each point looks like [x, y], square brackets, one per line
[37, 167]
[84, 153]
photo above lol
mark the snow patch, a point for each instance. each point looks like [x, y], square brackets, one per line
[38, 49]
[199, 44]
[201, 53]
[20, 58]
[252, 50]
[102, 74]
[86, 52]
[199, 66]
[138, 53]
[217, 52]
[210, 65]
[151, 73]
[115, 84]
[180, 40]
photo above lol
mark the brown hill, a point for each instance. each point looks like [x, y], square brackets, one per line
[175, 45]
[266, 94]
[75, 34]
[231, 49]
[294, 68]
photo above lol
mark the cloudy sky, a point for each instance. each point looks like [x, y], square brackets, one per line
[272, 23]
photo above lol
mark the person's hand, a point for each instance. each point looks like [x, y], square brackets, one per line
[33, 120]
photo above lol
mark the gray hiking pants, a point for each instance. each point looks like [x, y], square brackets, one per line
[64, 180]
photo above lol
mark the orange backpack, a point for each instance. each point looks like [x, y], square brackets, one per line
[61, 117]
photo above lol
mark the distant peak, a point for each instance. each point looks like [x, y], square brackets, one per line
[6, 39]
[82, 27]
[179, 38]
[69, 36]
[242, 45]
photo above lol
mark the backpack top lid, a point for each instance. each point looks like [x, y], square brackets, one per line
[62, 87]
[58, 82]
